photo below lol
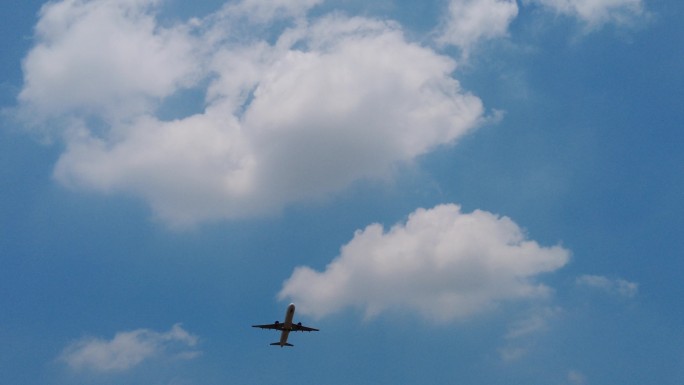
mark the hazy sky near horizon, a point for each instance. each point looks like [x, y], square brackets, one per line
[453, 191]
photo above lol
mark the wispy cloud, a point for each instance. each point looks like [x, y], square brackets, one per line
[524, 330]
[596, 13]
[264, 11]
[535, 322]
[441, 263]
[128, 349]
[576, 378]
[615, 286]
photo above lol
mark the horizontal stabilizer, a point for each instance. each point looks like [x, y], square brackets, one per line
[278, 344]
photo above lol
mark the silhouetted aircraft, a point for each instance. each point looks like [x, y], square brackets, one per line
[286, 327]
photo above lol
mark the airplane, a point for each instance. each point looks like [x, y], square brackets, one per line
[286, 327]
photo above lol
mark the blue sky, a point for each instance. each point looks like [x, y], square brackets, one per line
[463, 191]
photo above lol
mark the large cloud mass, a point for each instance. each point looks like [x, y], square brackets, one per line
[286, 119]
[294, 108]
[442, 263]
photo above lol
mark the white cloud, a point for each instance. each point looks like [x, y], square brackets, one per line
[358, 101]
[109, 58]
[617, 286]
[195, 168]
[596, 13]
[128, 349]
[442, 264]
[470, 21]
[325, 104]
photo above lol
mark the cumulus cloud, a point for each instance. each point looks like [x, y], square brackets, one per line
[470, 21]
[442, 264]
[324, 104]
[128, 349]
[295, 107]
[109, 58]
[616, 286]
[596, 13]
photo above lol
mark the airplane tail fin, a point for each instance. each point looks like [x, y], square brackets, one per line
[278, 344]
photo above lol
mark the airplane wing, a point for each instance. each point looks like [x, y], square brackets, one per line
[275, 326]
[298, 327]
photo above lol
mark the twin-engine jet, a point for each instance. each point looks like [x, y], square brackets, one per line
[286, 327]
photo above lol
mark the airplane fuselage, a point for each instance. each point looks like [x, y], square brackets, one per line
[287, 325]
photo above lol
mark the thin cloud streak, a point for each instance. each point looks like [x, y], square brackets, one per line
[127, 350]
[596, 13]
[617, 286]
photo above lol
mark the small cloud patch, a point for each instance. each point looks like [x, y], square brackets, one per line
[128, 349]
[620, 287]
